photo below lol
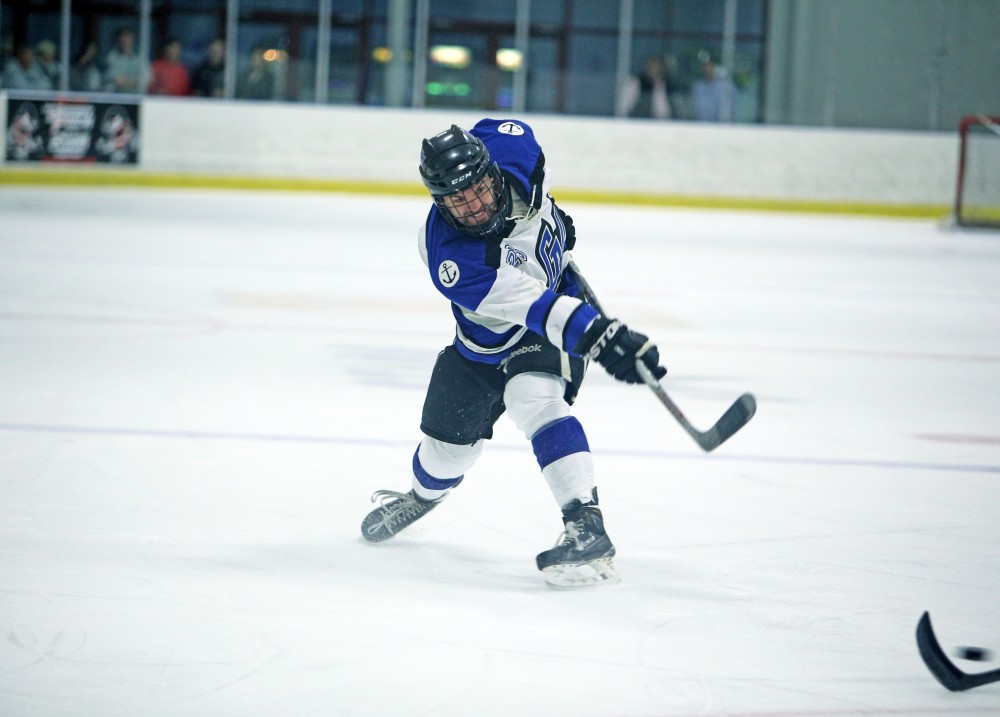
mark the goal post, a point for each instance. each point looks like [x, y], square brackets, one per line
[977, 194]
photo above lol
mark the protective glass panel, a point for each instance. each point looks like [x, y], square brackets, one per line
[273, 62]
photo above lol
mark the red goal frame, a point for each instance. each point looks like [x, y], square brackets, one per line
[963, 133]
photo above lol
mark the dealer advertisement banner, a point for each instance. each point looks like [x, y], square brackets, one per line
[47, 127]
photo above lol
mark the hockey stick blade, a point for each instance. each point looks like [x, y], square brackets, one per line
[735, 417]
[941, 667]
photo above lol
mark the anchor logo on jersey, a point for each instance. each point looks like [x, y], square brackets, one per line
[448, 272]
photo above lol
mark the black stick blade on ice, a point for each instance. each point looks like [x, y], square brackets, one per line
[735, 417]
[944, 669]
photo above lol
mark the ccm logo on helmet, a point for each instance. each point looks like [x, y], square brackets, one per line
[462, 178]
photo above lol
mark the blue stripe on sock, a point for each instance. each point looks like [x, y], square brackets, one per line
[427, 480]
[558, 440]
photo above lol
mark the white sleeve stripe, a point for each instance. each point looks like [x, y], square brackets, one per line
[559, 314]
[510, 297]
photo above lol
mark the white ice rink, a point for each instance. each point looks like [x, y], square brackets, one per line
[199, 393]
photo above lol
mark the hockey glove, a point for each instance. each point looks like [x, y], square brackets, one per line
[616, 347]
[570, 229]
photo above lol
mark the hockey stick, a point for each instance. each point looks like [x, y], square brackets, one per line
[941, 667]
[735, 417]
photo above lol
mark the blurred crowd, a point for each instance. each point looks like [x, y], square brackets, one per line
[706, 93]
[697, 88]
[120, 69]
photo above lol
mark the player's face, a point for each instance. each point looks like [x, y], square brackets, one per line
[475, 205]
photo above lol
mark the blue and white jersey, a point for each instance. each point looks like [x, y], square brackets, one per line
[501, 288]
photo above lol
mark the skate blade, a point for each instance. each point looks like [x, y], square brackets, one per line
[596, 572]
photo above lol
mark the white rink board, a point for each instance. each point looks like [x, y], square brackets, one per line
[595, 154]
[202, 390]
[198, 137]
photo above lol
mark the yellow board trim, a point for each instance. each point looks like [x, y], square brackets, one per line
[134, 178]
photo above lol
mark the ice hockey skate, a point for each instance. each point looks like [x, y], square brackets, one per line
[583, 555]
[396, 511]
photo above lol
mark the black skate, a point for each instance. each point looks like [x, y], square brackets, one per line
[583, 555]
[396, 511]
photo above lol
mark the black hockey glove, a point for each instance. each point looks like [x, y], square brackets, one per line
[616, 347]
[570, 229]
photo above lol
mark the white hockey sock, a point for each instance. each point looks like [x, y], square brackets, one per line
[571, 477]
[438, 466]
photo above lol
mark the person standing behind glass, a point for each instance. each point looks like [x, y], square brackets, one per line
[209, 76]
[169, 76]
[257, 83]
[45, 58]
[86, 75]
[648, 95]
[714, 95]
[122, 66]
[23, 73]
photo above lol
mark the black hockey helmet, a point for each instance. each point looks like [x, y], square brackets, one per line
[454, 161]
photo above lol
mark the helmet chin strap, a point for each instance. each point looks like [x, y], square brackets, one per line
[505, 227]
[521, 211]
[518, 211]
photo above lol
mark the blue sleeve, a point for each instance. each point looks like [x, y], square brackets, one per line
[459, 268]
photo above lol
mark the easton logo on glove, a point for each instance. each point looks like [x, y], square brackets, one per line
[616, 347]
[604, 338]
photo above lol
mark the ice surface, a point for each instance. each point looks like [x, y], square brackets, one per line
[199, 392]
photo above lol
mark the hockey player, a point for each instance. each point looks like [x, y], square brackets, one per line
[494, 244]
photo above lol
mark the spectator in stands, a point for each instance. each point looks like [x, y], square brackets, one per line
[169, 76]
[209, 76]
[714, 95]
[23, 73]
[648, 94]
[257, 83]
[122, 66]
[86, 75]
[45, 56]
